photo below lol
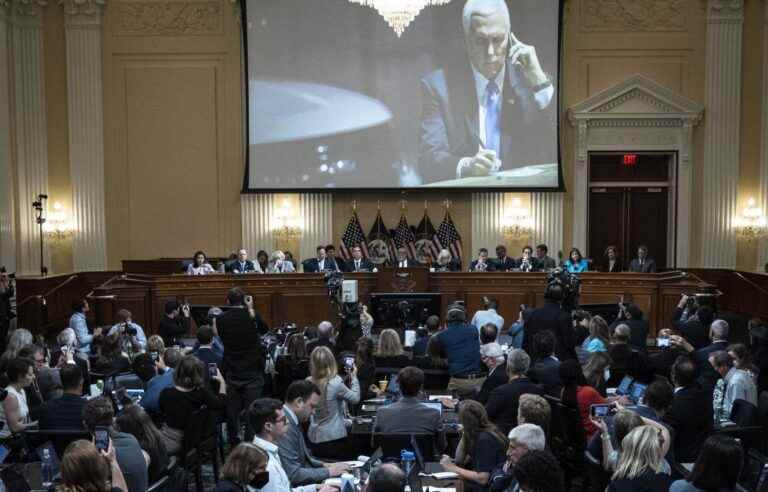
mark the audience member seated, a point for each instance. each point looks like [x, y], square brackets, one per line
[366, 320]
[653, 407]
[66, 351]
[387, 477]
[575, 262]
[642, 264]
[612, 260]
[14, 410]
[422, 339]
[482, 447]
[693, 321]
[736, 384]
[269, 423]
[408, 414]
[488, 315]
[503, 401]
[47, 383]
[493, 357]
[576, 393]
[742, 359]
[135, 421]
[135, 338]
[717, 467]
[188, 393]
[366, 369]
[445, 262]
[65, 412]
[301, 399]
[601, 445]
[502, 262]
[534, 409]
[488, 334]
[459, 344]
[279, 264]
[632, 316]
[144, 367]
[691, 424]
[597, 371]
[389, 352]
[539, 471]
[641, 463]
[79, 325]
[242, 264]
[545, 371]
[324, 334]
[597, 341]
[99, 412]
[328, 431]
[200, 265]
[109, 358]
[294, 365]
[174, 323]
[204, 350]
[626, 360]
[83, 467]
[244, 470]
[166, 365]
[155, 343]
[482, 263]
[718, 334]
[580, 323]
[522, 439]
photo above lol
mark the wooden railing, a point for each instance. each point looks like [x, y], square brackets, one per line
[742, 292]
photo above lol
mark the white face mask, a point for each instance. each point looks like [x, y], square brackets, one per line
[606, 374]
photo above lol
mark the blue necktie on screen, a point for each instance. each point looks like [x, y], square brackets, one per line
[492, 120]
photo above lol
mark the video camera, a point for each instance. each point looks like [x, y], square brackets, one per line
[569, 283]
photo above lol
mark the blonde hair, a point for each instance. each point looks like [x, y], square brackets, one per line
[322, 367]
[640, 451]
[155, 343]
[598, 328]
[389, 344]
[444, 254]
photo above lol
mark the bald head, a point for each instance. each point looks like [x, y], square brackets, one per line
[719, 330]
[325, 329]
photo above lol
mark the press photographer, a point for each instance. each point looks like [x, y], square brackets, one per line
[7, 291]
[560, 297]
[132, 337]
[692, 320]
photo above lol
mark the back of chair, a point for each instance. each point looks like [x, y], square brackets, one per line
[567, 433]
[392, 444]
[60, 439]
[200, 426]
[743, 413]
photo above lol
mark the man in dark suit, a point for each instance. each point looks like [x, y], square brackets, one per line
[542, 261]
[626, 360]
[65, 412]
[632, 316]
[502, 404]
[402, 261]
[693, 322]
[526, 262]
[324, 334]
[642, 264]
[503, 263]
[358, 263]
[408, 415]
[551, 316]
[493, 357]
[243, 265]
[240, 329]
[545, 371]
[330, 251]
[175, 322]
[706, 374]
[688, 415]
[492, 111]
[482, 263]
[320, 264]
[205, 351]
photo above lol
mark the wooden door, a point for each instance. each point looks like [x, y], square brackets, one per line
[647, 222]
[606, 222]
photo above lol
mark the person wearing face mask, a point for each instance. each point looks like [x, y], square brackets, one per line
[244, 471]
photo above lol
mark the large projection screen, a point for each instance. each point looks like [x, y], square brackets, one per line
[467, 96]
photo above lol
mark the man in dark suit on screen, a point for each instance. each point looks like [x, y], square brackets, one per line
[494, 112]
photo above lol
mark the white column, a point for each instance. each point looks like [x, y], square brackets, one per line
[580, 191]
[29, 125]
[316, 211]
[762, 197]
[547, 212]
[257, 212]
[7, 236]
[722, 99]
[487, 216]
[86, 132]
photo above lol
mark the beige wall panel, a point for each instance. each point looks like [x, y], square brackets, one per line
[600, 72]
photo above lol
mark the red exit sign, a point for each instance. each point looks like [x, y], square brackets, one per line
[629, 160]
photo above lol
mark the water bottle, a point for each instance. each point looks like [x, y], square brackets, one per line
[407, 460]
[46, 468]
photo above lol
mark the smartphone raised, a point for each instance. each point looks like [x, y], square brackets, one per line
[349, 362]
[601, 410]
[212, 370]
[101, 438]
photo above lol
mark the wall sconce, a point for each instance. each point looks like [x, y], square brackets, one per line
[57, 226]
[517, 222]
[287, 225]
[751, 225]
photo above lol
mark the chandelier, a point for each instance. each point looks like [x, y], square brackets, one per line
[517, 222]
[751, 225]
[399, 13]
[58, 227]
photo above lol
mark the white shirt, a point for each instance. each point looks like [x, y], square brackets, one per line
[482, 318]
[321, 264]
[278, 479]
[542, 98]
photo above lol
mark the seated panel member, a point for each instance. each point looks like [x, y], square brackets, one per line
[408, 415]
[358, 263]
[278, 263]
[200, 265]
[482, 263]
[323, 262]
[503, 263]
[445, 262]
[612, 260]
[243, 265]
[543, 261]
[575, 262]
[526, 263]
[330, 251]
[401, 259]
[642, 264]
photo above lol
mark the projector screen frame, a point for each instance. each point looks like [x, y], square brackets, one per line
[247, 190]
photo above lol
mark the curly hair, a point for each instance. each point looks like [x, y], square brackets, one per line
[83, 469]
[539, 471]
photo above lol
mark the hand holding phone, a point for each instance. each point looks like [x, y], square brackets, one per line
[601, 410]
[212, 370]
[101, 438]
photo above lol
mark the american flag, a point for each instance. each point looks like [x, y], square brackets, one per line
[353, 236]
[426, 231]
[448, 237]
[404, 238]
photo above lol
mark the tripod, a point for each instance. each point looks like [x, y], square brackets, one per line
[40, 220]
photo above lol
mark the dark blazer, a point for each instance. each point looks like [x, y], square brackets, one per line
[409, 263]
[241, 336]
[497, 378]
[503, 402]
[450, 128]
[490, 266]
[64, 413]
[365, 265]
[545, 372]
[170, 329]
[707, 375]
[321, 342]
[638, 332]
[648, 266]
[691, 419]
[451, 266]
[312, 265]
[546, 263]
[340, 263]
[692, 330]
[617, 267]
[408, 415]
[555, 319]
[506, 264]
[234, 266]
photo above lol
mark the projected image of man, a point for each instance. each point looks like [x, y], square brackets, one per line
[493, 113]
